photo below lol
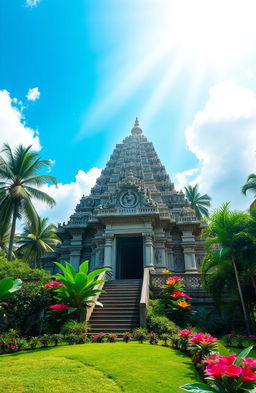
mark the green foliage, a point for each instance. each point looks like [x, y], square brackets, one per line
[74, 327]
[140, 334]
[7, 286]
[153, 338]
[21, 269]
[156, 319]
[27, 308]
[37, 239]
[197, 201]
[79, 287]
[20, 183]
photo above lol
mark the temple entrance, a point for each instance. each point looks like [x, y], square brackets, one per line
[129, 257]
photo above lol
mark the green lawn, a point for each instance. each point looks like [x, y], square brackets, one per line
[96, 368]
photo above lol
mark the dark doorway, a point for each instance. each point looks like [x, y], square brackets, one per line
[129, 257]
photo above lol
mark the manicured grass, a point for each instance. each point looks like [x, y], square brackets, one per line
[97, 368]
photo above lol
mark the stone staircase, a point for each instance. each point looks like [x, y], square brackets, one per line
[120, 311]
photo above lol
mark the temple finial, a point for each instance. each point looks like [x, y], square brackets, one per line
[136, 130]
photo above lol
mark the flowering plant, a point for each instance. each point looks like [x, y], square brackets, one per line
[111, 338]
[166, 271]
[99, 338]
[165, 337]
[127, 337]
[177, 306]
[59, 307]
[54, 284]
[153, 338]
[184, 337]
[227, 374]
[140, 334]
[201, 345]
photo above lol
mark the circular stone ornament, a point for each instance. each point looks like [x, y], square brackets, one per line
[129, 199]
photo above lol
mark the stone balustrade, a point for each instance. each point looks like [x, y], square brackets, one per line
[191, 280]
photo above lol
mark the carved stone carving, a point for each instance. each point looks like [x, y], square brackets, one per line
[128, 199]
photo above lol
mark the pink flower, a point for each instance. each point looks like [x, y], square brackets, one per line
[177, 294]
[249, 362]
[175, 278]
[214, 370]
[185, 332]
[211, 359]
[59, 307]
[232, 370]
[248, 374]
[54, 284]
[202, 338]
[227, 360]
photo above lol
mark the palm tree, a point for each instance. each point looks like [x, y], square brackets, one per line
[37, 239]
[250, 185]
[19, 183]
[4, 236]
[197, 201]
[223, 235]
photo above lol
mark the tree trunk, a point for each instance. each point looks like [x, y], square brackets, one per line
[241, 297]
[253, 282]
[14, 218]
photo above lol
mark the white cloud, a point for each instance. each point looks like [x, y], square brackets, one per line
[13, 129]
[32, 3]
[33, 94]
[223, 138]
[181, 178]
[67, 195]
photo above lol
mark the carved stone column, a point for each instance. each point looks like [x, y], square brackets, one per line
[188, 244]
[108, 251]
[75, 249]
[75, 258]
[149, 251]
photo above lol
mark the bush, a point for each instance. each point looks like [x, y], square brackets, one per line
[27, 309]
[156, 319]
[33, 342]
[21, 269]
[56, 338]
[45, 340]
[140, 334]
[74, 327]
[76, 338]
[127, 337]
[111, 338]
[99, 338]
[153, 338]
[165, 337]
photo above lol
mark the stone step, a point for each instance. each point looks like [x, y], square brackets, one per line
[116, 318]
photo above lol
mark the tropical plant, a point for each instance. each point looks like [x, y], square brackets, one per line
[78, 288]
[140, 334]
[19, 183]
[74, 327]
[4, 237]
[197, 201]
[250, 185]
[223, 238]
[7, 286]
[18, 268]
[37, 239]
[227, 374]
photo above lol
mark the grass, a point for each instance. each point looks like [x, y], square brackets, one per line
[97, 368]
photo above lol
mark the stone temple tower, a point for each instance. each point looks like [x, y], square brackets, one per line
[133, 217]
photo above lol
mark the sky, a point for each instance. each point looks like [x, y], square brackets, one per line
[75, 74]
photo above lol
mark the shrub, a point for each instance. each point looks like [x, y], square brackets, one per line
[140, 335]
[74, 327]
[175, 339]
[99, 338]
[56, 338]
[239, 339]
[11, 343]
[45, 340]
[228, 339]
[127, 337]
[184, 337]
[165, 337]
[161, 324]
[111, 338]
[34, 342]
[21, 269]
[153, 338]
[201, 345]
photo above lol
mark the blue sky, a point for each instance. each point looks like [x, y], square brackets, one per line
[186, 69]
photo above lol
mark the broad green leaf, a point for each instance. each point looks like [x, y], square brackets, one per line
[60, 266]
[198, 388]
[80, 281]
[84, 267]
[94, 283]
[96, 273]
[242, 354]
[71, 309]
[70, 270]
[5, 285]
[16, 285]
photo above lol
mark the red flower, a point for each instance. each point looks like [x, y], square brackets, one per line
[227, 360]
[59, 307]
[249, 362]
[248, 374]
[54, 284]
[214, 370]
[202, 338]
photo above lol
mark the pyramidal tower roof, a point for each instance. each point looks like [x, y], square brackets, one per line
[133, 183]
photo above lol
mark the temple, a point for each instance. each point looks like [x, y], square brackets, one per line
[133, 218]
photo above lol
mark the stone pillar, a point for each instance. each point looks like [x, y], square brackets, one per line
[159, 257]
[149, 251]
[188, 244]
[75, 258]
[75, 249]
[108, 251]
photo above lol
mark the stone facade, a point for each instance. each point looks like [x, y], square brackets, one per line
[133, 198]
